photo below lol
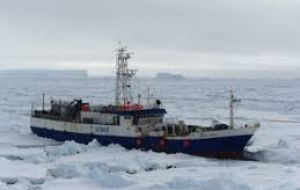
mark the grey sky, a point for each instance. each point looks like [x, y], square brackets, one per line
[198, 38]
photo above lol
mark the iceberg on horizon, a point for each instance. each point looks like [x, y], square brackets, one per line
[169, 76]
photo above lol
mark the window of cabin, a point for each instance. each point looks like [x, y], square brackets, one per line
[147, 119]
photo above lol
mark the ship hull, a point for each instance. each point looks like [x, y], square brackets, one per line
[219, 147]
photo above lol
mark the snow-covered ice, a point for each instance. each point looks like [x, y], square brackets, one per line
[12, 171]
[28, 162]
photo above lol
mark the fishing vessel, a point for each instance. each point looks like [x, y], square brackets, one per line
[133, 125]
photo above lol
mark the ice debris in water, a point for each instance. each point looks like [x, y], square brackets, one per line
[219, 183]
[70, 148]
[66, 171]
[3, 186]
[282, 152]
[13, 171]
[109, 180]
[13, 153]
[96, 172]
[131, 162]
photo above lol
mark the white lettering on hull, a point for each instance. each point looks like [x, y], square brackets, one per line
[99, 129]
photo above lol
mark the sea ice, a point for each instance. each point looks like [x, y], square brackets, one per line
[12, 171]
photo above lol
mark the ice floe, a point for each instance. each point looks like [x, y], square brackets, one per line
[13, 171]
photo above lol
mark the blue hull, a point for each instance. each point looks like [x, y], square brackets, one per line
[226, 147]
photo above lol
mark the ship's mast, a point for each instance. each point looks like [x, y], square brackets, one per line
[123, 77]
[232, 101]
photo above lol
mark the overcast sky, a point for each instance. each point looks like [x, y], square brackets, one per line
[213, 38]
